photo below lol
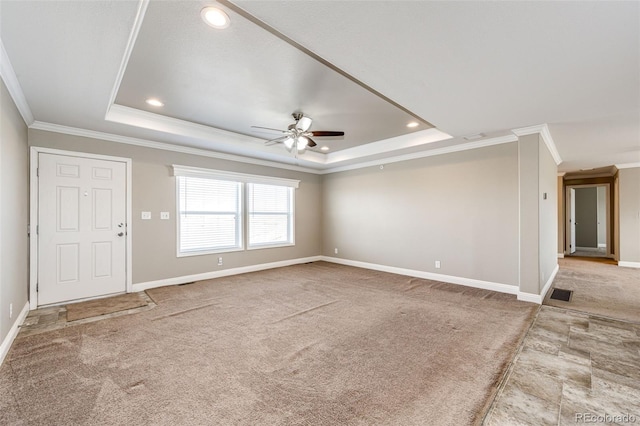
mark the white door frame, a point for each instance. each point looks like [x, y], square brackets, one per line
[33, 215]
[567, 228]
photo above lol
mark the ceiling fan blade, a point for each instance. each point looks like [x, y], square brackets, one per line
[275, 141]
[303, 124]
[268, 128]
[311, 143]
[326, 133]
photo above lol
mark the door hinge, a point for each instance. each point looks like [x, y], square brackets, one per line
[38, 172]
[37, 229]
[37, 287]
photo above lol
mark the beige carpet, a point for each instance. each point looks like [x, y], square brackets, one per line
[109, 305]
[599, 288]
[314, 344]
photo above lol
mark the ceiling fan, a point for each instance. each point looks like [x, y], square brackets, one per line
[298, 136]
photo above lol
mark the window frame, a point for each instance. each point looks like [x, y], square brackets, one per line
[239, 228]
[243, 179]
[291, 217]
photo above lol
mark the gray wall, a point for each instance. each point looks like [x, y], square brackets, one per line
[538, 215]
[529, 184]
[548, 210]
[154, 241]
[629, 210]
[459, 208]
[14, 193]
[587, 217]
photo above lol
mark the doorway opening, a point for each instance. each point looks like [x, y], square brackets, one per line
[588, 221]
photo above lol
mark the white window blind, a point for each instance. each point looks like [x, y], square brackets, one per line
[270, 210]
[210, 216]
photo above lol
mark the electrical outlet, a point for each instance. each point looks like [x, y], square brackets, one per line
[437, 264]
[164, 215]
[220, 261]
[335, 250]
[10, 310]
[146, 215]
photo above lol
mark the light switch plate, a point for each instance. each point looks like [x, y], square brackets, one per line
[164, 215]
[146, 215]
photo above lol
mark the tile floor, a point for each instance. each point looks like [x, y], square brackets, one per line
[572, 368]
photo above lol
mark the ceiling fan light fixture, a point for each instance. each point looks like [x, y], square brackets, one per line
[301, 143]
[288, 143]
[215, 17]
[303, 124]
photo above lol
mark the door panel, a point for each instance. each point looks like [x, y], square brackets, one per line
[81, 212]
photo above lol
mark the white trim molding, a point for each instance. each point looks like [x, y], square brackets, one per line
[626, 264]
[543, 130]
[302, 165]
[13, 86]
[539, 298]
[13, 332]
[628, 165]
[223, 273]
[233, 176]
[560, 255]
[469, 282]
[74, 131]
[429, 153]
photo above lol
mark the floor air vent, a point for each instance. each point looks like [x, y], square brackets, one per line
[559, 294]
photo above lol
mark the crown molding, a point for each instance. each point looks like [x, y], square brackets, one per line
[13, 86]
[543, 130]
[133, 36]
[430, 153]
[74, 131]
[628, 165]
[384, 146]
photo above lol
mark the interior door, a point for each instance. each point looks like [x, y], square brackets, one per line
[81, 228]
[572, 220]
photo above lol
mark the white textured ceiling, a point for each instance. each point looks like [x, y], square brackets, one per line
[465, 67]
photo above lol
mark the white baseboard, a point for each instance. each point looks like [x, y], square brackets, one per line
[223, 273]
[539, 298]
[602, 245]
[469, 282]
[629, 264]
[560, 255]
[13, 332]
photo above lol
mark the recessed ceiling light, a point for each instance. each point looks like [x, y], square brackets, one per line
[154, 102]
[413, 124]
[215, 17]
[324, 148]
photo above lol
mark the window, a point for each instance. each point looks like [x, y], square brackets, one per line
[212, 217]
[270, 209]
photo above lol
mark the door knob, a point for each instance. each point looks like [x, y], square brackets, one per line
[120, 234]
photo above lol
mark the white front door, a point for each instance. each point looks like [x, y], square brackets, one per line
[81, 228]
